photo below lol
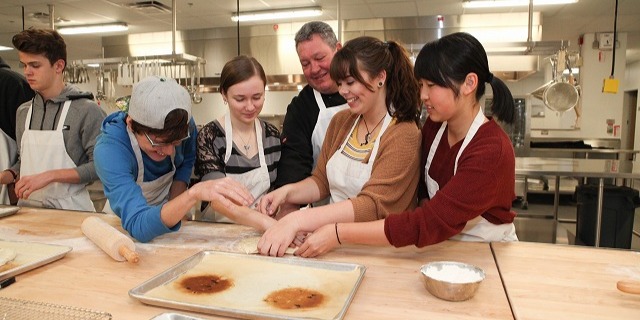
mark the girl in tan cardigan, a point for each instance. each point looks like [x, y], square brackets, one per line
[369, 161]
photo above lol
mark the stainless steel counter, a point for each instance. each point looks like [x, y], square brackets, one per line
[563, 167]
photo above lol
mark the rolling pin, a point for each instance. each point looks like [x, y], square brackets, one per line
[629, 286]
[110, 240]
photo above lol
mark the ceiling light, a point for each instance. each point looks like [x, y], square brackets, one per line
[277, 14]
[511, 3]
[93, 28]
[3, 48]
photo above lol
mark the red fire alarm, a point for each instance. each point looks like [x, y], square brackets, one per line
[275, 27]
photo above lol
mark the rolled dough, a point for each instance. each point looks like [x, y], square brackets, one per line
[6, 255]
[250, 246]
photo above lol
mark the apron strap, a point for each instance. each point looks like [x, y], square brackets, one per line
[475, 126]
[138, 154]
[319, 100]
[63, 115]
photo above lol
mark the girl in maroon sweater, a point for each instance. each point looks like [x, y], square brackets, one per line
[468, 162]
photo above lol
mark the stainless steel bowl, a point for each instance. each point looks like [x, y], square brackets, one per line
[451, 281]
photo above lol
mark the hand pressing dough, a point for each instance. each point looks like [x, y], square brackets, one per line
[6, 255]
[250, 246]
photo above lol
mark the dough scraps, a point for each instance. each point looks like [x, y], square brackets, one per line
[6, 255]
[250, 246]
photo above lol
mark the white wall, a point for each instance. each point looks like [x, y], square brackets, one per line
[632, 83]
[597, 106]
[276, 102]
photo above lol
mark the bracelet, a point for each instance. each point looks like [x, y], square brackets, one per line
[13, 174]
[337, 237]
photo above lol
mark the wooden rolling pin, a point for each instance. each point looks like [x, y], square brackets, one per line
[629, 286]
[110, 240]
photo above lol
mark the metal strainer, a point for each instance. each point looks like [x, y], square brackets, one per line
[556, 94]
[560, 96]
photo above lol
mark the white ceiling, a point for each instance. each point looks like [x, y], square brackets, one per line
[563, 22]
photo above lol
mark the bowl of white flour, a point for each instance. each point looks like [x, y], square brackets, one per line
[451, 281]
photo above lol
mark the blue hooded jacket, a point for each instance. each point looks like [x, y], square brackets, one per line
[117, 168]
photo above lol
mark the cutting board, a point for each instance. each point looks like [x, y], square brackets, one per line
[30, 255]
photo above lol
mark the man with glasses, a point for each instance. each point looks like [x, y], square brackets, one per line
[144, 159]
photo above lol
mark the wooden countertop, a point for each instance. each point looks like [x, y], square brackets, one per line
[86, 277]
[547, 281]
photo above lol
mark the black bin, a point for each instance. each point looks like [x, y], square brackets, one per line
[618, 208]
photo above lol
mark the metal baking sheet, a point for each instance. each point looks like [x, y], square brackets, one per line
[6, 210]
[30, 255]
[276, 267]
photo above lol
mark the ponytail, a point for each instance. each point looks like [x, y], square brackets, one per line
[403, 91]
[502, 105]
[372, 56]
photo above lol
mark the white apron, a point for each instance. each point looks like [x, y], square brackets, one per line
[44, 150]
[8, 156]
[256, 180]
[477, 229]
[320, 131]
[324, 118]
[347, 176]
[156, 192]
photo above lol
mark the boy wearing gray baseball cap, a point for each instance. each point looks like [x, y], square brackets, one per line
[145, 157]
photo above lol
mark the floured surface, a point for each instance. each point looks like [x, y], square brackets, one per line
[250, 246]
[29, 255]
[249, 280]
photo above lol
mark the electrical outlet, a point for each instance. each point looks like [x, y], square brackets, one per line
[605, 41]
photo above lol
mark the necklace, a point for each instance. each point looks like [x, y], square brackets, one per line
[368, 135]
[246, 145]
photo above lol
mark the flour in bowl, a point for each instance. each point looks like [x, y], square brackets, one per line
[452, 273]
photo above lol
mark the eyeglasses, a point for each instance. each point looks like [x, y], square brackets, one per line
[165, 144]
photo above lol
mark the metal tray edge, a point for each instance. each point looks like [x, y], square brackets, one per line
[34, 265]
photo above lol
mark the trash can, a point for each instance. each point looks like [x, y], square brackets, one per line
[618, 209]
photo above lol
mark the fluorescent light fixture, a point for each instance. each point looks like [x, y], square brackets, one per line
[3, 48]
[277, 14]
[93, 28]
[511, 3]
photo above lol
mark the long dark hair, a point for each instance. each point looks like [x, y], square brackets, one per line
[371, 55]
[447, 62]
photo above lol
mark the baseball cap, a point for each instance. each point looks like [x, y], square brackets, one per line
[154, 97]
